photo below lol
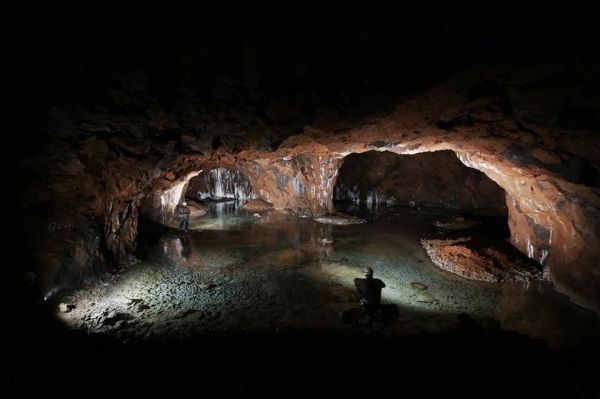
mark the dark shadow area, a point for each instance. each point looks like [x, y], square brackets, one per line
[149, 233]
[477, 354]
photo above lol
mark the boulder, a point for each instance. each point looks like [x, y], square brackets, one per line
[65, 307]
[197, 210]
[154, 173]
[461, 256]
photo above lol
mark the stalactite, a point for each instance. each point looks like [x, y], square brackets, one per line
[222, 183]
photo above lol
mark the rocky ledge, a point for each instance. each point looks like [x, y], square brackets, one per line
[460, 256]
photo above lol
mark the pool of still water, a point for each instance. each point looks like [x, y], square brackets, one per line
[234, 272]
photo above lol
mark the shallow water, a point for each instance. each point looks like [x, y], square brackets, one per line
[236, 272]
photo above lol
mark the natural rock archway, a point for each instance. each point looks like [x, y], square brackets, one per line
[220, 184]
[432, 180]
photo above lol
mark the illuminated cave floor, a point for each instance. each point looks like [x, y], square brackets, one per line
[240, 273]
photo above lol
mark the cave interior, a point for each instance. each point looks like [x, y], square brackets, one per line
[465, 172]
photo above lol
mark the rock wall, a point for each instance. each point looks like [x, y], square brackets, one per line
[302, 183]
[161, 203]
[436, 179]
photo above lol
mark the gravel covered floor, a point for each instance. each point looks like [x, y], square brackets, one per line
[236, 273]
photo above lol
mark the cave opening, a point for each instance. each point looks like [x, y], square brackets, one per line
[379, 182]
[459, 213]
[220, 184]
[218, 192]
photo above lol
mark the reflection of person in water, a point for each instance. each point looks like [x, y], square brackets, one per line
[186, 248]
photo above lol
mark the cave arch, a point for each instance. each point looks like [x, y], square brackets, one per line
[436, 179]
[220, 184]
[212, 184]
[551, 220]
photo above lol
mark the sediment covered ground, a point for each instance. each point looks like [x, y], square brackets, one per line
[283, 274]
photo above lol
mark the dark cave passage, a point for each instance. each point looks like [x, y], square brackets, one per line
[374, 179]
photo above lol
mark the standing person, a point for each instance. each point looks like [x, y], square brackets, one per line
[184, 214]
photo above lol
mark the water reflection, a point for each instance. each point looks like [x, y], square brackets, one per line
[311, 266]
[227, 214]
[186, 248]
[177, 248]
[537, 310]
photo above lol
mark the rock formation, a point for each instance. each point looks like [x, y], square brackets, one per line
[487, 264]
[258, 205]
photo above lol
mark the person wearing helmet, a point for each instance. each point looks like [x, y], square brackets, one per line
[184, 214]
[371, 313]
[369, 288]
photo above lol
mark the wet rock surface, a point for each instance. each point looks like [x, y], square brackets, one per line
[196, 209]
[488, 264]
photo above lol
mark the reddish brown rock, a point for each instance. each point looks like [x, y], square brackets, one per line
[196, 209]
[457, 256]
[258, 205]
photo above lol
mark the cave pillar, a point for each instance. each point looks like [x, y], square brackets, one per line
[303, 183]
